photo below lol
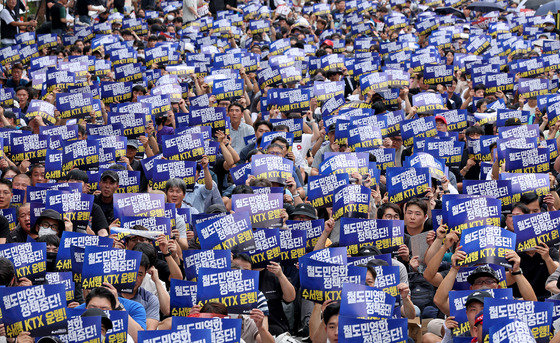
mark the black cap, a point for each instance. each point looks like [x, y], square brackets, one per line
[110, 173]
[304, 210]
[77, 174]
[51, 214]
[95, 312]
[477, 296]
[368, 250]
[377, 262]
[331, 128]
[484, 270]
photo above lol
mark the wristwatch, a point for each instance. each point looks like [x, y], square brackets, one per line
[519, 272]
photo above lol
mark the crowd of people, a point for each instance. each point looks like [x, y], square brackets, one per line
[404, 132]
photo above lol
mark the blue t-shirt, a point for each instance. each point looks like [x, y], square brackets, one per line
[134, 309]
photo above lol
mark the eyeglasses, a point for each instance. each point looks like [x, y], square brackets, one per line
[485, 282]
[138, 239]
[47, 225]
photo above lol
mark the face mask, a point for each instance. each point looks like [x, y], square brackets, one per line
[349, 48]
[43, 231]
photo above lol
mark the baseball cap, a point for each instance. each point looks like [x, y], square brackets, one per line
[133, 143]
[95, 312]
[110, 173]
[477, 296]
[331, 128]
[484, 270]
[304, 210]
[328, 42]
[442, 118]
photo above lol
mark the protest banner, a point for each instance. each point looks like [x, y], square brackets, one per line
[274, 168]
[182, 297]
[534, 160]
[29, 259]
[152, 336]
[292, 244]
[74, 206]
[386, 235]
[356, 330]
[62, 278]
[78, 239]
[235, 288]
[537, 315]
[487, 244]
[463, 211]
[138, 204]
[39, 310]
[351, 201]
[321, 187]
[406, 183]
[196, 259]
[365, 302]
[183, 147]
[232, 231]
[499, 189]
[116, 266]
[341, 163]
[536, 228]
[264, 209]
[312, 228]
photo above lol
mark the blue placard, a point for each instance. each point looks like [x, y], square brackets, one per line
[116, 266]
[39, 310]
[340, 163]
[62, 278]
[405, 183]
[29, 259]
[536, 228]
[182, 297]
[365, 302]
[487, 244]
[83, 154]
[237, 289]
[138, 204]
[196, 259]
[183, 147]
[527, 182]
[351, 201]
[153, 224]
[78, 239]
[534, 160]
[355, 330]
[448, 149]
[386, 235]
[312, 228]
[321, 187]
[232, 231]
[274, 168]
[74, 105]
[292, 244]
[418, 128]
[538, 315]
[164, 170]
[74, 206]
[499, 189]
[199, 336]
[29, 147]
[264, 209]
[464, 212]
[425, 160]
[267, 247]
[116, 92]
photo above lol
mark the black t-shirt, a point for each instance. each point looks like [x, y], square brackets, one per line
[107, 208]
[535, 271]
[57, 13]
[270, 286]
[98, 220]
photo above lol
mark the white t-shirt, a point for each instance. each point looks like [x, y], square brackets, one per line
[300, 149]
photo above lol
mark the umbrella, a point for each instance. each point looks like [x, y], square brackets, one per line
[534, 4]
[450, 10]
[552, 7]
[484, 6]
